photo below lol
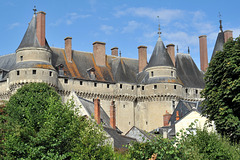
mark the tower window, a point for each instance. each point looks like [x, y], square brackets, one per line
[186, 90]
[155, 86]
[81, 82]
[146, 122]
[21, 58]
[34, 72]
[171, 73]
[65, 80]
[175, 87]
[108, 85]
[120, 85]
[18, 73]
[95, 84]
[142, 87]
[124, 106]
[152, 73]
[196, 91]
[132, 87]
[50, 73]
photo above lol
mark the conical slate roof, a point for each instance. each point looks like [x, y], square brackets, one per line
[219, 43]
[30, 38]
[160, 57]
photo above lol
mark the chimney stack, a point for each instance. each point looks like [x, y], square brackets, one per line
[97, 110]
[68, 48]
[177, 116]
[112, 115]
[166, 118]
[227, 35]
[171, 52]
[142, 58]
[203, 52]
[40, 30]
[99, 53]
[114, 51]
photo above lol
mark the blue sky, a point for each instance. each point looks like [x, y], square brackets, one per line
[125, 24]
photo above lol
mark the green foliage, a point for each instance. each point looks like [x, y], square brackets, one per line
[39, 126]
[207, 145]
[164, 148]
[222, 90]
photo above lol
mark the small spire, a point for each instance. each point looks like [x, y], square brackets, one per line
[177, 49]
[34, 9]
[220, 20]
[159, 32]
[120, 53]
[188, 50]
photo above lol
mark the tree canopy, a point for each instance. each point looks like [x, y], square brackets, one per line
[39, 126]
[222, 90]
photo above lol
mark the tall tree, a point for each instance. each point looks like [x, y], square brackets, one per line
[39, 126]
[222, 90]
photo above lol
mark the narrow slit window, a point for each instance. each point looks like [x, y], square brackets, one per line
[50, 73]
[186, 90]
[21, 58]
[142, 87]
[152, 73]
[18, 73]
[95, 84]
[196, 91]
[132, 87]
[81, 82]
[108, 85]
[120, 85]
[175, 87]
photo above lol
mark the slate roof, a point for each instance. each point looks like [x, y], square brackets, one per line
[30, 38]
[160, 57]
[219, 43]
[145, 133]
[188, 72]
[184, 108]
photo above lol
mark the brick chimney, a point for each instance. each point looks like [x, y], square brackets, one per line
[228, 34]
[171, 52]
[142, 57]
[97, 110]
[203, 52]
[114, 51]
[40, 30]
[99, 53]
[112, 115]
[177, 116]
[68, 48]
[166, 118]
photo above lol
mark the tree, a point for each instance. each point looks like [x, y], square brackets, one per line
[39, 126]
[222, 90]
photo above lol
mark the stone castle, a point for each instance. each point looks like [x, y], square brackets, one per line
[143, 91]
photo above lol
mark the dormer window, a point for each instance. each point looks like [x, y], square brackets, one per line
[60, 69]
[91, 73]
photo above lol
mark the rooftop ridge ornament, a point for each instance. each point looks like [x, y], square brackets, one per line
[120, 53]
[188, 50]
[177, 49]
[220, 21]
[34, 9]
[159, 32]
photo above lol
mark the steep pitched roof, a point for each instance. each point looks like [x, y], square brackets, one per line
[219, 43]
[188, 72]
[160, 57]
[30, 38]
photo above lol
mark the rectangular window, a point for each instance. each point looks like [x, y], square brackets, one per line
[81, 82]
[21, 58]
[175, 87]
[120, 85]
[18, 73]
[50, 73]
[142, 87]
[65, 80]
[95, 84]
[132, 87]
[171, 73]
[196, 91]
[108, 85]
[152, 73]
[186, 90]
[155, 86]
[34, 72]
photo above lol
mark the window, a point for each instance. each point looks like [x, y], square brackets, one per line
[196, 91]
[173, 104]
[81, 82]
[146, 122]
[129, 123]
[108, 85]
[65, 80]
[120, 85]
[152, 73]
[124, 106]
[171, 73]
[49, 59]
[50, 73]
[18, 73]
[143, 88]
[95, 84]
[155, 86]
[175, 87]
[186, 90]
[21, 58]
[132, 87]
[34, 72]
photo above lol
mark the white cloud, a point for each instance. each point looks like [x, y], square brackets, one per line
[71, 17]
[13, 25]
[107, 29]
[131, 26]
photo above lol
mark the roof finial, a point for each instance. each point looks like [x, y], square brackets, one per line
[220, 20]
[188, 50]
[34, 9]
[159, 32]
[120, 53]
[177, 48]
